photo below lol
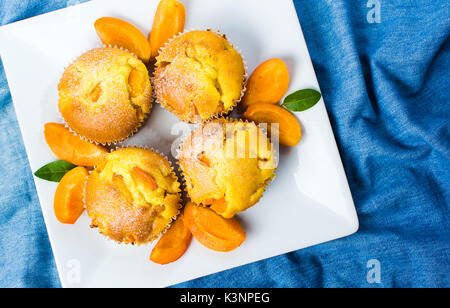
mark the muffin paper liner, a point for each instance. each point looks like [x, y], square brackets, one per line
[85, 188]
[227, 120]
[138, 127]
[216, 115]
[173, 173]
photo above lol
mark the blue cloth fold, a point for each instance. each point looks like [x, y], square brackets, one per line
[387, 90]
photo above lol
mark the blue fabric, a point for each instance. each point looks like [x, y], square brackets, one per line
[387, 89]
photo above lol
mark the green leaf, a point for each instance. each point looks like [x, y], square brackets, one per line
[54, 171]
[302, 100]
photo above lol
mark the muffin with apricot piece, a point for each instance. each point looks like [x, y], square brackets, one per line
[199, 75]
[133, 196]
[227, 165]
[105, 95]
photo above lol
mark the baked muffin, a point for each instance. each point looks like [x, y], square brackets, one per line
[227, 165]
[198, 76]
[133, 195]
[105, 95]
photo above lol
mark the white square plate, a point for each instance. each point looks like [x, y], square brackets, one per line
[307, 204]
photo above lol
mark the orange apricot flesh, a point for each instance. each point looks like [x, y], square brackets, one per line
[136, 82]
[69, 147]
[117, 32]
[173, 244]
[212, 230]
[267, 84]
[144, 177]
[168, 22]
[68, 202]
[218, 206]
[290, 131]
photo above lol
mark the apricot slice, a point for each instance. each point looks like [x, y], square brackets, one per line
[69, 147]
[267, 84]
[168, 22]
[136, 82]
[120, 184]
[68, 203]
[289, 127]
[212, 230]
[144, 178]
[218, 206]
[173, 244]
[95, 94]
[117, 32]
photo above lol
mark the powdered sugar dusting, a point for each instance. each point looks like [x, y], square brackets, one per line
[185, 75]
[95, 87]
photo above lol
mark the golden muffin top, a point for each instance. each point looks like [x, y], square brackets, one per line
[105, 95]
[133, 195]
[198, 76]
[227, 165]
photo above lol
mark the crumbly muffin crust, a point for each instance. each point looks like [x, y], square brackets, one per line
[225, 167]
[105, 95]
[199, 75]
[133, 195]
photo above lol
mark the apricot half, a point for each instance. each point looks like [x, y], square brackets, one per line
[117, 32]
[68, 203]
[69, 147]
[173, 244]
[212, 230]
[168, 22]
[290, 131]
[267, 84]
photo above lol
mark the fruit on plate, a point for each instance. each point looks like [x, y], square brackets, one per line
[70, 147]
[68, 202]
[116, 32]
[212, 230]
[267, 84]
[290, 131]
[168, 22]
[173, 244]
